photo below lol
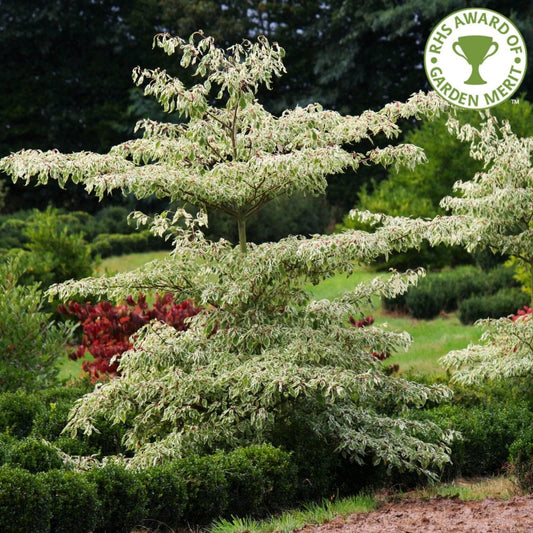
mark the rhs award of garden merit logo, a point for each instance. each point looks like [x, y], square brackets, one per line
[475, 58]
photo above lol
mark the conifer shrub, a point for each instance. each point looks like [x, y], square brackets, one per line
[75, 504]
[30, 343]
[25, 504]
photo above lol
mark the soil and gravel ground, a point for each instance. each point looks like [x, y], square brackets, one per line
[450, 515]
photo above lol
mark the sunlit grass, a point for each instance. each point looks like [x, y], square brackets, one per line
[127, 262]
[499, 487]
[431, 340]
[69, 369]
[313, 513]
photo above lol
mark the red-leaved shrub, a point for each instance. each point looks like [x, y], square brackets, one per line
[108, 328]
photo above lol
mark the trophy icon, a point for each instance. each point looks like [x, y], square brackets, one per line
[475, 49]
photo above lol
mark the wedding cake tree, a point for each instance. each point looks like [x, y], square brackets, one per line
[262, 352]
[496, 206]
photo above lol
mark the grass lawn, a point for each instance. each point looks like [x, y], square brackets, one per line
[124, 263]
[431, 340]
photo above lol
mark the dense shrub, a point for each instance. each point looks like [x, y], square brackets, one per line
[252, 481]
[75, 504]
[166, 496]
[105, 233]
[110, 219]
[207, 488]
[503, 303]
[261, 479]
[427, 301]
[107, 329]
[445, 291]
[521, 458]
[34, 455]
[25, 504]
[107, 244]
[461, 283]
[17, 412]
[6, 441]
[52, 417]
[315, 460]
[486, 434]
[123, 498]
[56, 402]
[50, 421]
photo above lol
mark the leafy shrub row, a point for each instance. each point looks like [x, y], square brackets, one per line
[43, 415]
[108, 232]
[450, 290]
[503, 303]
[108, 244]
[62, 245]
[488, 434]
[254, 480]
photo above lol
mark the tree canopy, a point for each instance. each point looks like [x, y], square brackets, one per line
[66, 64]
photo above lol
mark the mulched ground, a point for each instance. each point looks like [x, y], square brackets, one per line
[449, 515]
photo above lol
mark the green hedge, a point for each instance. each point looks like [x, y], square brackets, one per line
[34, 455]
[25, 503]
[17, 412]
[449, 290]
[486, 434]
[108, 244]
[123, 498]
[257, 480]
[75, 505]
[503, 303]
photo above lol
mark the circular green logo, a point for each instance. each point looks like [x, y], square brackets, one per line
[475, 58]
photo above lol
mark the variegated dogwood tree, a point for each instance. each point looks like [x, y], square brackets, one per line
[492, 210]
[497, 208]
[262, 351]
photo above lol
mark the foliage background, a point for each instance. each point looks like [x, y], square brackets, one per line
[66, 66]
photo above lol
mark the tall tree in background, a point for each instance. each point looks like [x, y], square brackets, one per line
[66, 66]
[66, 63]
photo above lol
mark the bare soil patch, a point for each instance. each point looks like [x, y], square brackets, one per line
[450, 515]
